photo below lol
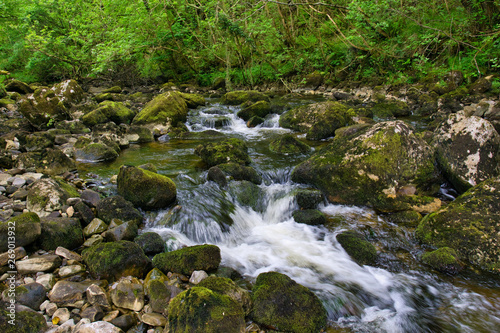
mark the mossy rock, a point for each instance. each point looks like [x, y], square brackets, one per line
[60, 231]
[241, 172]
[69, 92]
[113, 260]
[258, 109]
[228, 287]
[355, 244]
[240, 96]
[3, 92]
[408, 218]
[4, 102]
[26, 320]
[281, 303]
[352, 130]
[45, 196]
[225, 151]
[96, 152]
[470, 225]
[189, 259]
[480, 86]
[288, 144]
[204, 135]
[444, 260]
[50, 162]
[43, 108]
[149, 167]
[115, 97]
[255, 121]
[319, 120]
[309, 216]
[108, 111]
[27, 230]
[368, 169]
[82, 142]
[18, 86]
[313, 80]
[114, 89]
[308, 199]
[38, 141]
[390, 109]
[146, 189]
[193, 100]
[150, 243]
[202, 310]
[139, 134]
[247, 194]
[116, 207]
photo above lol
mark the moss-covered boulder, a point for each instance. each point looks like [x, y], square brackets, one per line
[116, 207]
[96, 152]
[45, 196]
[193, 100]
[163, 113]
[4, 102]
[43, 108]
[309, 216]
[240, 96]
[113, 260]
[355, 244]
[139, 134]
[38, 141]
[369, 169]
[255, 121]
[203, 310]
[189, 259]
[308, 199]
[18, 86]
[288, 144]
[146, 189]
[407, 218]
[60, 231]
[258, 109]
[150, 243]
[283, 304]
[468, 150]
[228, 287]
[247, 194]
[225, 151]
[240, 172]
[3, 92]
[480, 86]
[203, 135]
[108, 111]
[318, 120]
[49, 161]
[21, 319]
[390, 109]
[69, 92]
[470, 225]
[444, 260]
[25, 229]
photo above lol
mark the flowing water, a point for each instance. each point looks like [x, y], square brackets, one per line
[399, 295]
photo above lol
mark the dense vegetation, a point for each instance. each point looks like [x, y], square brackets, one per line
[247, 42]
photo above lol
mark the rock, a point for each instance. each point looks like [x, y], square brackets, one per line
[313, 80]
[241, 96]
[84, 212]
[34, 265]
[98, 296]
[61, 316]
[150, 243]
[193, 100]
[309, 199]
[139, 134]
[146, 189]
[407, 218]
[247, 194]
[229, 150]
[285, 305]
[319, 120]
[258, 109]
[197, 277]
[355, 244]
[114, 260]
[216, 175]
[128, 294]
[95, 152]
[369, 168]
[125, 231]
[287, 144]
[67, 271]
[26, 320]
[98, 327]
[481, 85]
[47, 281]
[60, 231]
[67, 292]
[93, 313]
[444, 260]
[49, 161]
[43, 108]
[119, 208]
[467, 150]
[113, 89]
[163, 113]
[240, 172]
[159, 294]
[187, 260]
[90, 197]
[31, 295]
[214, 312]
[97, 226]
[108, 111]
[18, 86]
[17, 253]
[154, 319]
[226, 286]
[23, 229]
[469, 225]
[46, 196]
[309, 216]
[255, 121]
[50, 309]
[38, 141]
[69, 92]
[125, 322]
[390, 109]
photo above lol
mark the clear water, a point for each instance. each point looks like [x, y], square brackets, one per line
[400, 295]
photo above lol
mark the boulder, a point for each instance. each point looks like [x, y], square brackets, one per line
[43, 108]
[119, 208]
[108, 111]
[45, 196]
[285, 305]
[240, 172]
[241, 96]
[309, 216]
[288, 144]
[355, 244]
[69, 92]
[258, 109]
[189, 259]
[68, 292]
[309, 199]
[95, 152]
[24, 230]
[390, 109]
[150, 243]
[139, 134]
[35, 264]
[124, 231]
[216, 175]
[18, 86]
[49, 161]
[193, 100]
[31, 295]
[469, 225]
[444, 260]
[371, 168]
[60, 231]
[202, 310]
[225, 151]
[247, 194]
[228, 287]
[146, 189]
[480, 86]
[26, 319]
[37, 141]
[468, 150]
[114, 260]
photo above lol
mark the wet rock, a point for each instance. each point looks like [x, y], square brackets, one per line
[46, 196]
[34, 265]
[26, 320]
[90, 197]
[25, 229]
[187, 260]
[226, 286]
[93, 313]
[193, 100]
[114, 260]
[98, 296]
[208, 307]
[70, 270]
[255, 121]
[241, 96]
[309, 199]
[60, 231]
[258, 109]
[128, 294]
[240, 172]
[197, 277]
[467, 150]
[247, 194]
[280, 302]
[287, 144]
[95, 152]
[229, 150]
[97, 226]
[31, 295]
[444, 260]
[407, 218]
[309, 216]
[146, 189]
[17, 253]
[108, 111]
[125, 231]
[150, 243]
[215, 174]
[355, 244]
[119, 208]
[139, 134]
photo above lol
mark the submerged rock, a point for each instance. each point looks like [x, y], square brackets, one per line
[187, 260]
[225, 151]
[309, 216]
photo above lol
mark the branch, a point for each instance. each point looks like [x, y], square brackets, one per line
[290, 3]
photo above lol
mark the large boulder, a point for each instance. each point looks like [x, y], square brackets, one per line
[163, 113]
[225, 151]
[45, 196]
[193, 100]
[69, 92]
[116, 259]
[202, 310]
[285, 305]
[240, 96]
[189, 259]
[108, 111]
[116, 207]
[49, 161]
[318, 120]
[24, 230]
[258, 109]
[385, 166]
[60, 231]
[226, 286]
[146, 189]
[43, 108]
[240, 172]
[288, 144]
[468, 150]
[16, 318]
[470, 225]
[96, 152]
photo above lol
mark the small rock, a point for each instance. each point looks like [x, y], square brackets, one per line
[38, 264]
[70, 255]
[50, 309]
[67, 271]
[62, 314]
[93, 240]
[97, 296]
[154, 319]
[110, 316]
[197, 277]
[128, 294]
[46, 280]
[97, 226]
[67, 292]
[90, 197]
[98, 327]
[19, 252]
[94, 313]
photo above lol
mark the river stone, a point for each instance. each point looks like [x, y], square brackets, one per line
[90, 197]
[240, 172]
[93, 313]
[225, 151]
[150, 243]
[154, 275]
[288, 144]
[128, 294]
[247, 194]
[38, 264]
[114, 260]
[355, 244]
[240, 96]
[17, 253]
[119, 208]
[159, 295]
[308, 199]
[197, 277]
[84, 212]
[370, 168]
[470, 225]
[216, 175]
[258, 109]
[126, 322]
[154, 319]
[98, 296]
[31, 295]
[189, 259]
[42, 108]
[98, 327]
[97, 226]
[280, 302]
[226, 286]
[60, 231]
[95, 152]
[67, 292]
[69, 92]
[27, 230]
[70, 270]
[444, 260]
[18, 86]
[26, 320]
[108, 111]
[193, 100]
[309, 216]
[468, 150]
[202, 310]
[146, 189]
[62, 315]
[46, 280]
[125, 231]
[46, 196]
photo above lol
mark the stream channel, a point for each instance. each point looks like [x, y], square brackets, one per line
[399, 295]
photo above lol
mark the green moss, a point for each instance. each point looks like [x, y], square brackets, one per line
[70, 189]
[444, 259]
[309, 216]
[25, 321]
[193, 100]
[168, 108]
[241, 96]
[241, 172]
[28, 229]
[229, 150]
[96, 152]
[363, 252]
[228, 287]
[390, 109]
[288, 144]
[187, 260]
[258, 109]
[65, 232]
[82, 142]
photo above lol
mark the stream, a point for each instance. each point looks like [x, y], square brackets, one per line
[399, 295]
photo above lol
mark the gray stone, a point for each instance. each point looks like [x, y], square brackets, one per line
[90, 197]
[63, 314]
[128, 294]
[98, 327]
[125, 231]
[70, 270]
[66, 292]
[19, 252]
[98, 296]
[94, 313]
[70, 255]
[31, 295]
[38, 264]
[154, 319]
[97, 226]
[197, 277]
[46, 280]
